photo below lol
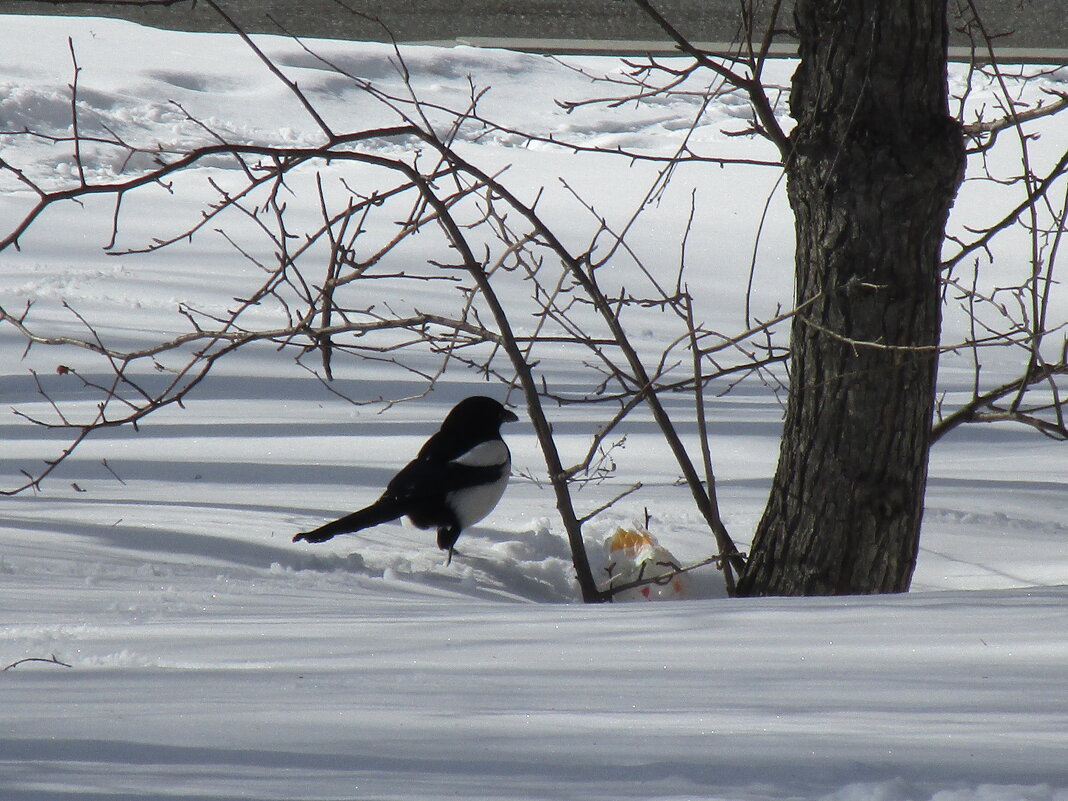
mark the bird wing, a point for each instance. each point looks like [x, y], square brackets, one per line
[427, 479]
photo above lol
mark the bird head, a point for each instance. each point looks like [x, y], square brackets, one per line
[478, 411]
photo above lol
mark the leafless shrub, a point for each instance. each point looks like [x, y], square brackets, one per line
[332, 287]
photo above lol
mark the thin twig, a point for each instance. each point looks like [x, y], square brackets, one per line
[52, 660]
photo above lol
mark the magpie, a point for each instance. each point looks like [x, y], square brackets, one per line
[455, 481]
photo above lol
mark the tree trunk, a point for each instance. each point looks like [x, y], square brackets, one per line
[874, 166]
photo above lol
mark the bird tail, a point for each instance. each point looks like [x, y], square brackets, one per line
[381, 511]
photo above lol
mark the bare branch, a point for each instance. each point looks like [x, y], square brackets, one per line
[751, 85]
[52, 660]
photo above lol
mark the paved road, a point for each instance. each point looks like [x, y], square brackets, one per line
[1029, 23]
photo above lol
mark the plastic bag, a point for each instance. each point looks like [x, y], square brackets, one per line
[635, 555]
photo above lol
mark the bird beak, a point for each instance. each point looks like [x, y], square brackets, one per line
[508, 416]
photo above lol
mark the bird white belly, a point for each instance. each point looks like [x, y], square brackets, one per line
[474, 503]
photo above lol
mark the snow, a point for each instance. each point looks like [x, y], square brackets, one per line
[211, 658]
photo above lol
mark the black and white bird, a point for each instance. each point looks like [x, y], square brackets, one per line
[455, 481]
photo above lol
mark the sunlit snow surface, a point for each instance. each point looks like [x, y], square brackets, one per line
[211, 658]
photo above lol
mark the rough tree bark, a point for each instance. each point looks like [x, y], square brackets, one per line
[874, 165]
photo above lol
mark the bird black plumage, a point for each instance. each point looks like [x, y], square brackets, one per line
[455, 481]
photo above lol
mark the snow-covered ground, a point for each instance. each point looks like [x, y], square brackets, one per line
[211, 658]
